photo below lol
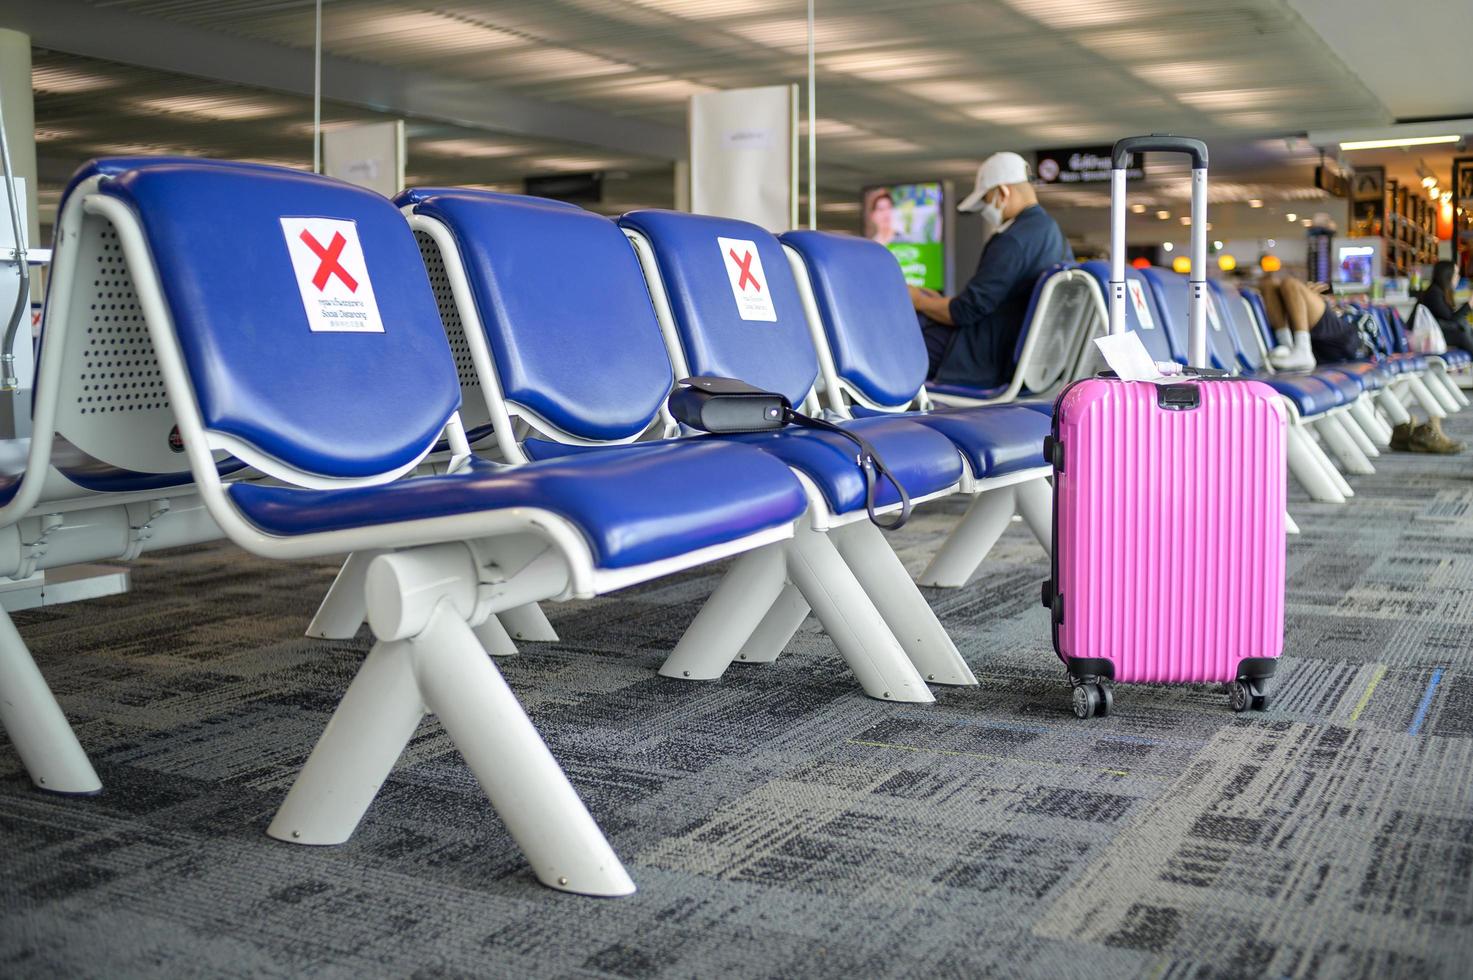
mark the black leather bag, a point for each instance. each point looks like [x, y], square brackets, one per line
[726, 405]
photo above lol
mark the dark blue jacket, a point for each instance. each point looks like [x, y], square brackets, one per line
[988, 312]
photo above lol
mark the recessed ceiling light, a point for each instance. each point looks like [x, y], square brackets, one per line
[1291, 216]
[1167, 246]
[1163, 215]
[1137, 209]
[1255, 203]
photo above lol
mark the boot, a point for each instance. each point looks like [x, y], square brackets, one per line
[1401, 436]
[1429, 438]
[1296, 358]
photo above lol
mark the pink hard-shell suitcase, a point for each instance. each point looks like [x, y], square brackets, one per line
[1168, 558]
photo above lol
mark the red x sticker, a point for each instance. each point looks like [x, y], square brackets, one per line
[332, 275]
[749, 284]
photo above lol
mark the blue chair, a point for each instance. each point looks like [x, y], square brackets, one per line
[1065, 312]
[570, 359]
[306, 343]
[873, 363]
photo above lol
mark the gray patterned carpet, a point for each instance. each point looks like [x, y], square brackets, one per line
[778, 823]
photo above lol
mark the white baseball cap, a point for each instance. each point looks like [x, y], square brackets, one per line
[998, 169]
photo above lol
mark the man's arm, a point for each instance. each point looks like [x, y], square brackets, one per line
[932, 304]
[996, 275]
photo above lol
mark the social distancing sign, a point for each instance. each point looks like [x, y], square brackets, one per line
[332, 275]
[1138, 300]
[748, 281]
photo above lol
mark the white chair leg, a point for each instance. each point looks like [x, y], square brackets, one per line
[342, 610]
[1425, 397]
[969, 542]
[1390, 404]
[1035, 504]
[1437, 383]
[852, 621]
[1364, 412]
[494, 637]
[375, 720]
[528, 623]
[1343, 446]
[909, 616]
[46, 744]
[1290, 525]
[1357, 432]
[775, 632]
[1455, 388]
[741, 600]
[1331, 470]
[526, 787]
[1308, 470]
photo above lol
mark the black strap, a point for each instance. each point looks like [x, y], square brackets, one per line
[870, 464]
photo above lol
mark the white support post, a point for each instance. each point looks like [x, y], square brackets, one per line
[1035, 504]
[907, 613]
[1390, 404]
[1355, 428]
[46, 744]
[743, 597]
[494, 637]
[970, 540]
[528, 623]
[343, 610]
[1363, 410]
[1343, 446]
[375, 720]
[1442, 389]
[526, 787]
[1308, 470]
[851, 620]
[775, 632]
[1425, 397]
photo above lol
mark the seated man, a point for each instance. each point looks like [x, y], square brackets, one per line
[970, 337]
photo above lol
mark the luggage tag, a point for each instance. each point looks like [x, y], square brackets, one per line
[1130, 361]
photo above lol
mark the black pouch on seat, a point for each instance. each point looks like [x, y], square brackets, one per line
[726, 405]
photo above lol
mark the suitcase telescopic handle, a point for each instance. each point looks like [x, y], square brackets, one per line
[1119, 164]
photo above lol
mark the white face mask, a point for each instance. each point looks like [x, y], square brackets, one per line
[991, 214]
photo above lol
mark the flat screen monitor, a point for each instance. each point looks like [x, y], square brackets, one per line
[1357, 261]
[910, 220]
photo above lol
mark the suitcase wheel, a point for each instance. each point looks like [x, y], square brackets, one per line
[1248, 695]
[1092, 700]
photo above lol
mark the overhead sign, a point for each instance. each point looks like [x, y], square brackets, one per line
[748, 283]
[332, 275]
[1081, 165]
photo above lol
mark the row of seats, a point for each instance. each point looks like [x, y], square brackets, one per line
[1341, 413]
[470, 402]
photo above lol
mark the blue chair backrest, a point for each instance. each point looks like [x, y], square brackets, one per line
[1173, 298]
[319, 391]
[1260, 315]
[866, 312]
[565, 309]
[1397, 327]
[415, 195]
[732, 321]
[1239, 324]
[1141, 312]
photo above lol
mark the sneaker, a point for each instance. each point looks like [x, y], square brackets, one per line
[1401, 437]
[1291, 359]
[1429, 438]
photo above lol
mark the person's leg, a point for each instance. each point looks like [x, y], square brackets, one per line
[1296, 298]
[1458, 336]
[938, 337]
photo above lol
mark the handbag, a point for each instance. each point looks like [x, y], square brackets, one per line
[727, 406]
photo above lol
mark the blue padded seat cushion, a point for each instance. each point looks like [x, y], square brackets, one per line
[778, 356]
[962, 391]
[866, 313]
[632, 507]
[335, 404]
[584, 353]
[1310, 395]
[923, 460]
[996, 439]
